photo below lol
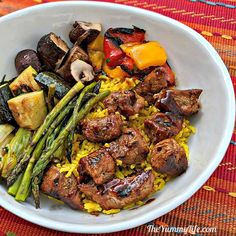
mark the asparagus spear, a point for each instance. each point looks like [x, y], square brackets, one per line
[42, 131]
[74, 120]
[56, 110]
[16, 149]
[23, 190]
[48, 138]
[51, 93]
[12, 190]
[35, 190]
[69, 145]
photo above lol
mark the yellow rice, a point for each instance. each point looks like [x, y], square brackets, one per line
[85, 147]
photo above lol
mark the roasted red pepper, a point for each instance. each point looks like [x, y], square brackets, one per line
[113, 53]
[116, 36]
[169, 74]
[128, 63]
[127, 35]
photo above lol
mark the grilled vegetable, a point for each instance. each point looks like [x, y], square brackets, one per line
[45, 79]
[4, 149]
[25, 82]
[84, 32]
[50, 98]
[113, 53]
[5, 131]
[97, 44]
[114, 37]
[44, 129]
[117, 72]
[127, 35]
[66, 70]
[29, 110]
[82, 71]
[5, 113]
[12, 190]
[52, 49]
[26, 58]
[15, 150]
[96, 58]
[169, 74]
[146, 54]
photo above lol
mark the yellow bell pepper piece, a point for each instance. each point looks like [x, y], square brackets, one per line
[117, 72]
[97, 44]
[146, 54]
[96, 58]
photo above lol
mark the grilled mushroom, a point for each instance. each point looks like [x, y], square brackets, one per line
[52, 49]
[84, 32]
[26, 58]
[69, 72]
[81, 71]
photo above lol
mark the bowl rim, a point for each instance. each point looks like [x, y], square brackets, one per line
[188, 191]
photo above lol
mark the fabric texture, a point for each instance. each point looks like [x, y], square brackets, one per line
[214, 205]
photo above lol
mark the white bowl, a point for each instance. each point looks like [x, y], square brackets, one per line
[196, 64]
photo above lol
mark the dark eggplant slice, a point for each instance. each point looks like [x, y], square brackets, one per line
[52, 49]
[45, 79]
[26, 58]
[70, 71]
[5, 113]
[84, 32]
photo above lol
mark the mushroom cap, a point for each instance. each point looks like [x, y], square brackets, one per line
[82, 71]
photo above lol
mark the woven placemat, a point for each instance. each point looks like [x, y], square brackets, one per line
[214, 205]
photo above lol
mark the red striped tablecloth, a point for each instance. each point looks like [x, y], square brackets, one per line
[214, 205]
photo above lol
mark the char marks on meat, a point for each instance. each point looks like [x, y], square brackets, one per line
[130, 147]
[126, 102]
[161, 126]
[99, 165]
[153, 83]
[181, 102]
[56, 185]
[168, 157]
[117, 193]
[103, 129]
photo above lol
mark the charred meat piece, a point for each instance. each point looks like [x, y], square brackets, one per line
[56, 185]
[75, 67]
[117, 193]
[26, 58]
[153, 83]
[51, 50]
[181, 102]
[84, 32]
[168, 157]
[102, 129]
[130, 148]
[162, 126]
[126, 102]
[99, 165]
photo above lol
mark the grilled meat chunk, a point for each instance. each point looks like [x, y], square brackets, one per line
[181, 102]
[168, 157]
[56, 185]
[162, 126]
[103, 129]
[117, 193]
[99, 165]
[130, 148]
[126, 102]
[153, 83]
